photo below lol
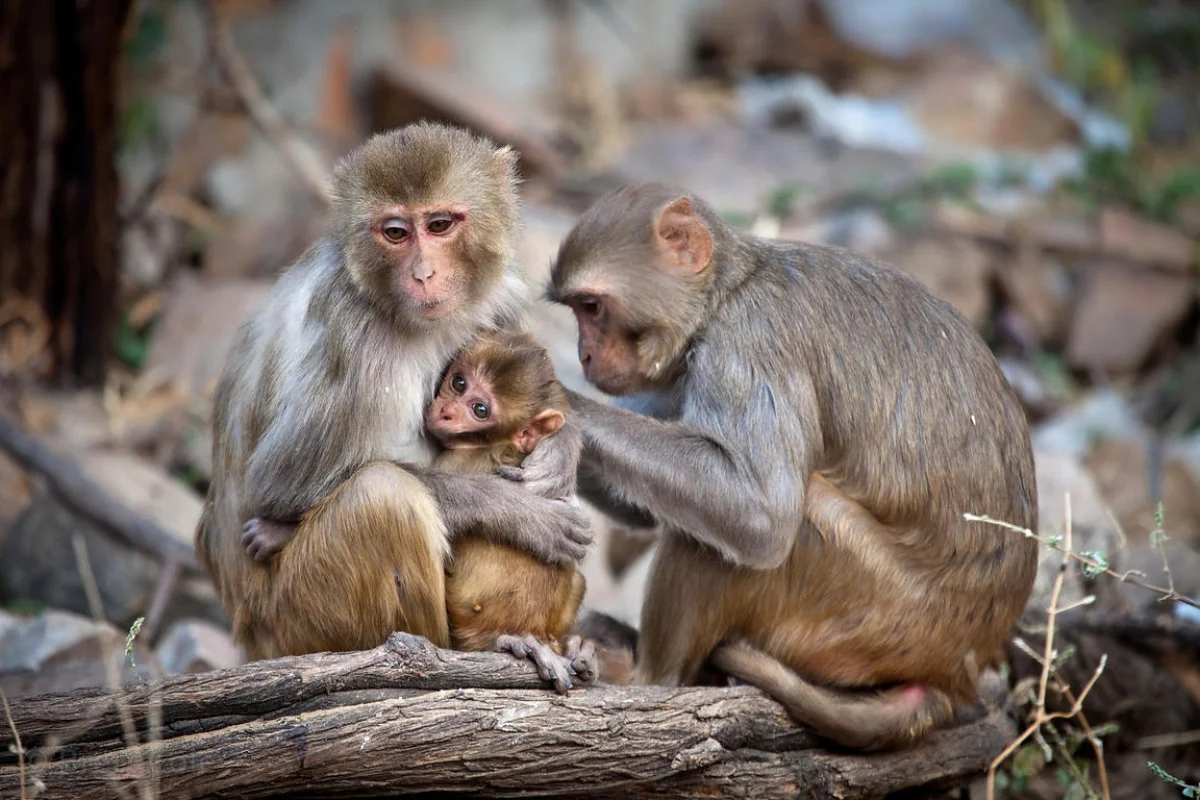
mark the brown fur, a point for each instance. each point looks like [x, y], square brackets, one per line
[823, 423]
[323, 393]
[493, 589]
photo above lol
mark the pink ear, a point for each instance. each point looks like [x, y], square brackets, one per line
[544, 424]
[683, 237]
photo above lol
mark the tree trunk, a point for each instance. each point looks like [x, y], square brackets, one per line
[408, 718]
[58, 192]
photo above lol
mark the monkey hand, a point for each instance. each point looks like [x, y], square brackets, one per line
[263, 538]
[549, 471]
[557, 531]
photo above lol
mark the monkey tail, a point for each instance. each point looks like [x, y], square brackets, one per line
[864, 721]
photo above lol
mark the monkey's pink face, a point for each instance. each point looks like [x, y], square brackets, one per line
[463, 406]
[607, 351]
[424, 245]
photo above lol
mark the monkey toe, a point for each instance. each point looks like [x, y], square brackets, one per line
[581, 655]
[550, 665]
[513, 645]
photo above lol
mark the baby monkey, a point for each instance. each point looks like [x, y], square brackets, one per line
[498, 399]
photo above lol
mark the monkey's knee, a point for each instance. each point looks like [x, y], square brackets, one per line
[368, 560]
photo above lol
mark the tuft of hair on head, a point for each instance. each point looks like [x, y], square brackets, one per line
[519, 370]
[430, 162]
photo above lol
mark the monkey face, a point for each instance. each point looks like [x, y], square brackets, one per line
[425, 216]
[608, 352]
[420, 255]
[464, 410]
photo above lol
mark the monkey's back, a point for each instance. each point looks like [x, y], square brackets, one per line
[915, 422]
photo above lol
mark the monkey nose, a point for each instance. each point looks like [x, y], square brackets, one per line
[422, 272]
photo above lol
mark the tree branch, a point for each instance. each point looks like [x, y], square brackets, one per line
[407, 718]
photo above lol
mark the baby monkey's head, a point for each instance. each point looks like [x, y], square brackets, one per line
[500, 390]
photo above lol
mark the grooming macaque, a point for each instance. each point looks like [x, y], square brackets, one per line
[319, 437]
[499, 399]
[814, 424]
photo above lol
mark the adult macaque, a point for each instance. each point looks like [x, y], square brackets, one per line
[814, 425]
[499, 399]
[319, 418]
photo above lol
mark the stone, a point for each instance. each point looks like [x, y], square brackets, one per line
[1122, 315]
[954, 268]
[197, 646]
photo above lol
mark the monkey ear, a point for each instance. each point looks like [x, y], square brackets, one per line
[544, 424]
[682, 236]
[506, 163]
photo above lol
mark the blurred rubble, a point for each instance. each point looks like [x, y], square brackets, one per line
[1056, 206]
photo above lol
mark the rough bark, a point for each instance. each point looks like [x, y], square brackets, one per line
[58, 196]
[387, 722]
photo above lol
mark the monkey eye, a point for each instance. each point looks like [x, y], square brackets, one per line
[394, 231]
[588, 306]
[458, 383]
[440, 225]
[480, 410]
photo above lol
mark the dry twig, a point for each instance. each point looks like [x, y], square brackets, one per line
[12, 726]
[1040, 716]
[264, 115]
[1094, 566]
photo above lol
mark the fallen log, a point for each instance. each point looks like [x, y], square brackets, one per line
[408, 718]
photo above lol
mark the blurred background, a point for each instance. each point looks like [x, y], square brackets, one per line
[1034, 162]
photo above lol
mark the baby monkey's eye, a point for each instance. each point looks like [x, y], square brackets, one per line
[458, 383]
[480, 410]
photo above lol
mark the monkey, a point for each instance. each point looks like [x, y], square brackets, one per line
[499, 398]
[319, 440]
[808, 426]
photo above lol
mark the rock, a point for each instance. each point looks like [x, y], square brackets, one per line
[197, 646]
[967, 99]
[1122, 315]
[399, 94]
[37, 562]
[55, 651]
[37, 558]
[1060, 475]
[1103, 413]
[1127, 235]
[1038, 289]
[954, 268]
[1121, 469]
[197, 327]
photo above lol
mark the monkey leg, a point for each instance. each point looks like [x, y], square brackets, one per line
[366, 561]
[684, 614]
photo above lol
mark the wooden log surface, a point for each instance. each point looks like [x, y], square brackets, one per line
[387, 722]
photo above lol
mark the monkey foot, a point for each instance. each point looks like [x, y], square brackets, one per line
[581, 653]
[550, 665]
[263, 539]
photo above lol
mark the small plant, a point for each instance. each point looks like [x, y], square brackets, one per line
[134, 630]
[1189, 790]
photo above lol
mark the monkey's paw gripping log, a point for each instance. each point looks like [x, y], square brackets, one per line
[408, 717]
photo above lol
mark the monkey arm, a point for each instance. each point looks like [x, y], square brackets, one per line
[552, 531]
[746, 501]
[591, 487]
[293, 465]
